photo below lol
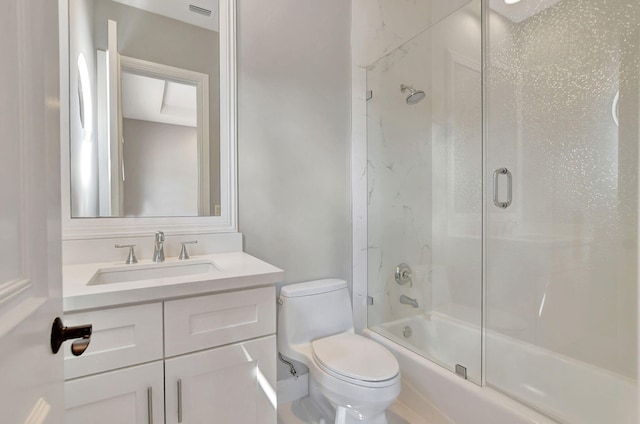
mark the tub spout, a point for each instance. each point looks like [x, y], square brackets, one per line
[408, 301]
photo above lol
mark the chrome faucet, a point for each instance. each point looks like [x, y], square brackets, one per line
[408, 301]
[158, 250]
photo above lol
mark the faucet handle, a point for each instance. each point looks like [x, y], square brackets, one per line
[131, 258]
[184, 255]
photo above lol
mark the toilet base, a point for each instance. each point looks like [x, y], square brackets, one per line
[341, 414]
[349, 416]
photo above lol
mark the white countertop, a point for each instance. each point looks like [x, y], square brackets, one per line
[236, 270]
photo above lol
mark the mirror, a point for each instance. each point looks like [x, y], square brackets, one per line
[148, 116]
[165, 144]
[144, 124]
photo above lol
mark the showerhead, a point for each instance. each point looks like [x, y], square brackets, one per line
[415, 96]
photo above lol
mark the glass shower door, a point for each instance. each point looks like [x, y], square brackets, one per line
[562, 95]
[424, 151]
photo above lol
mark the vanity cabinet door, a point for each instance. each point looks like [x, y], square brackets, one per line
[121, 337]
[203, 322]
[227, 385]
[132, 395]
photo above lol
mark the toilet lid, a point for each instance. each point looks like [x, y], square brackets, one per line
[355, 357]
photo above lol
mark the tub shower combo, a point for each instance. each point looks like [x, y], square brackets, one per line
[502, 216]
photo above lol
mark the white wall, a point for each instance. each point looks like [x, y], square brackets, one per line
[161, 169]
[294, 135]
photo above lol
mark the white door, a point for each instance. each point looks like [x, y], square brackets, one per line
[30, 260]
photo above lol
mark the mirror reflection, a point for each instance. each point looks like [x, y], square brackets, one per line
[144, 110]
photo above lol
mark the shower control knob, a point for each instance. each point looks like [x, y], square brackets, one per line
[403, 274]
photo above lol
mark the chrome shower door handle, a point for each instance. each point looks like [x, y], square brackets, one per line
[496, 187]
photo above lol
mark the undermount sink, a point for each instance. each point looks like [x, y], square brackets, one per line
[129, 273]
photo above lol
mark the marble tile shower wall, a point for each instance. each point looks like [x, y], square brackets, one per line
[399, 181]
[381, 26]
[424, 172]
[377, 29]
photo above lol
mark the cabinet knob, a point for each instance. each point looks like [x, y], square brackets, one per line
[60, 333]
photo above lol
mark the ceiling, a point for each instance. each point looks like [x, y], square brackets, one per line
[180, 10]
[158, 100]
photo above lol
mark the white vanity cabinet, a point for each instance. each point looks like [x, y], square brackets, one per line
[129, 395]
[229, 384]
[232, 383]
[120, 377]
[200, 359]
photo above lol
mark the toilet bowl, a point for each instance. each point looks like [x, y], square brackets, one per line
[352, 378]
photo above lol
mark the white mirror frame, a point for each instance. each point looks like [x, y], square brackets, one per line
[92, 228]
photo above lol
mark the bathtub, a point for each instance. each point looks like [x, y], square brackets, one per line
[575, 393]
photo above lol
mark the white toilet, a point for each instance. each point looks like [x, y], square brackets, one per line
[351, 377]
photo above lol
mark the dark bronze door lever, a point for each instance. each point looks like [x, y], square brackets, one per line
[60, 333]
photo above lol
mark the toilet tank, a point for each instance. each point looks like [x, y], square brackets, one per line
[313, 310]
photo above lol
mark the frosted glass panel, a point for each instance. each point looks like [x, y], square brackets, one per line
[425, 192]
[562, 96]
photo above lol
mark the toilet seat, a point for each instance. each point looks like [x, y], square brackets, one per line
[356, 359]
